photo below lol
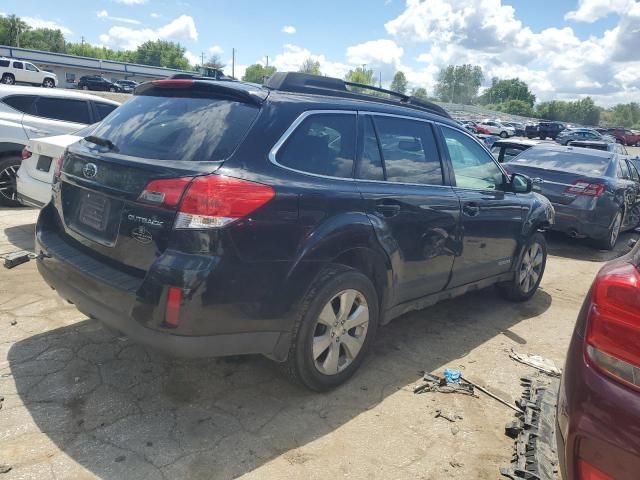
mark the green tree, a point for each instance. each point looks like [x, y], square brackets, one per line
[625, 115]
[214, 62]
[459, 83]
[420, 93]
[162, 53]
[504, 90]
[45, 39]
[258, 73]
[310, 66]
[582, 111]
[516, 107]
[362, 76]
[13, 28]
[399, 83]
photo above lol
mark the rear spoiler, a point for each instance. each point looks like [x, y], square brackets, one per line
[196, 88]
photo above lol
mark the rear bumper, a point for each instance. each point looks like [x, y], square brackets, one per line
[582, 222]
[32, 192]
[134, 305]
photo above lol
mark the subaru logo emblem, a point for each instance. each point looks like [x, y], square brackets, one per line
[90, 170]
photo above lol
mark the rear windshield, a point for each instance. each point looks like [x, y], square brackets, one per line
[582, 163]
[173, 128]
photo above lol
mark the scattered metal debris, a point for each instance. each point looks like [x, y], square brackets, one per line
[451, 416]
[492, 395]
[4, 468]
[534, 457]
[14, 322]
[433, 383]
[536, 361]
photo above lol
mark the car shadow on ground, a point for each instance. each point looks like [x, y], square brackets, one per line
[561, 245]
[122, 411]
[21, 237]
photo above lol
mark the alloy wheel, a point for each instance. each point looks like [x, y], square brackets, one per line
[340, 332]
[8, 182]
[615, 230]
[531, 267]
[8, 80]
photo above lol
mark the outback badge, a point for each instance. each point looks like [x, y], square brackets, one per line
[142, 235]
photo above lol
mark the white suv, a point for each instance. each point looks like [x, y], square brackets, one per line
[497, 128]
[18, 71]
[27, 113]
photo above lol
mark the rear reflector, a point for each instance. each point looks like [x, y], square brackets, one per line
[580, 187]
[586, 471]
[177, 83]
[613, 331]
[172, 312]
[26, 153]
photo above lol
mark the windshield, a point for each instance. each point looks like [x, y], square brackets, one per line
[177, 128]
[548, 159]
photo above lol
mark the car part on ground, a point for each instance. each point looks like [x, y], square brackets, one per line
[536, 361]
[535, 456]
[293, 232]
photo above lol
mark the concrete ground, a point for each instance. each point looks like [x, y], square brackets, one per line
[81, 402]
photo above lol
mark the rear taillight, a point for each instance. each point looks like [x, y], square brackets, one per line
[26, 153]
[586, 471]
[613, 329]
[209, 201]
[580, 187]
[57, 168]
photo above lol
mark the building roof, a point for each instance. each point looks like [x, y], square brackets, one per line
[6, 90]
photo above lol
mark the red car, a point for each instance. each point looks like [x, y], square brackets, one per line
[625, 136]
[598, 415]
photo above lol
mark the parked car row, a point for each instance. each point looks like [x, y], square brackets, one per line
[14, 71]
[99, 83]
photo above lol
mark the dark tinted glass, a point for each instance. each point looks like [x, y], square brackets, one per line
[103, 109]
[409, 151]
[18, 65]
[370, 167]
[22, 103]
[63, 109]
[178, 128]
[634, 173]
[323, 144]
[4, 63]
[562, 160]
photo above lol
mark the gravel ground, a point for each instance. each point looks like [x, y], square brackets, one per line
[81, 402]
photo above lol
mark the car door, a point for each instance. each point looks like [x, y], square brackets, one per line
[19, 72]
[56, 116]
[414, 212]
[491, 219]
[32, 73]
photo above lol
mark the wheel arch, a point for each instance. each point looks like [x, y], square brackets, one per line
[8, 148]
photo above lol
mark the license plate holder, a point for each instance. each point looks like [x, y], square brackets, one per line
[94, 211]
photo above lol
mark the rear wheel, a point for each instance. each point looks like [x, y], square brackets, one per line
[528, 272]
[542, 137]
[85, 87]
[111, 89]
[8, 79]
[504, 134]
[609, 242]
[8, 169]
[336, 325]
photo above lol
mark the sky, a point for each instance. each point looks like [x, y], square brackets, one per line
[564, 49]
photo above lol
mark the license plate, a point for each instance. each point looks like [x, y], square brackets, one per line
[94, 211]
[44, 163]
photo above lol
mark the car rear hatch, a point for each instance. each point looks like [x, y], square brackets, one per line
[120, 188]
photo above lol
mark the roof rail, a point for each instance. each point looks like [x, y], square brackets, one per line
[297, 82]
[197, 76]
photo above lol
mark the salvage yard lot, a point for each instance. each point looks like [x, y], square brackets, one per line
[82, 402]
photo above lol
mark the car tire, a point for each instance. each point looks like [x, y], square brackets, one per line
[85, 87]
[111, 89]
[320, 356]
[542, 137]
[9, 166]
[528, 271]
[48, 83]
[504, 134]
[8, 79]
[609, 242]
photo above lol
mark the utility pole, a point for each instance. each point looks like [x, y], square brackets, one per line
[233, 62]
[82, 44]
[380, 79]
[364, 67]
[267, 62]
[202, 57]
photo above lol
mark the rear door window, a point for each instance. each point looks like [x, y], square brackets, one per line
[633, 171]
[511, 152]
[370, 165]
[409, 151]
[22, 103]
[178, 128]
[18, 65]
[103, 109]
[323, 144]
[64, 109]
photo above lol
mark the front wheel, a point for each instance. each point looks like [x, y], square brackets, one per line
[111, 89]
[528, 272]
[336, 324]
[85, 87]
[504, 134]
[8, 192]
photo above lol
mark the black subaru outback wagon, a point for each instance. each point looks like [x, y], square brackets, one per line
[209, 218]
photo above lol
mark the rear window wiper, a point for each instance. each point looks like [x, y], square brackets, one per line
[103, 142]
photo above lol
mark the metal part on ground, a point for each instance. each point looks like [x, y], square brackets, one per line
[535, 456]
[536, 361]
[433, 383]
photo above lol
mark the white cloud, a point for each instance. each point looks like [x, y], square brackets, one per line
[290, 29]
[155, 15]
[181, 28]
[375, 51]
[35, 22]
[192, 58]
[131, 2]
[292, 57]
[105, 15]
[216, 50]
[592, 10]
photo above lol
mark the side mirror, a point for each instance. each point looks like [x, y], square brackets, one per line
[521, 183]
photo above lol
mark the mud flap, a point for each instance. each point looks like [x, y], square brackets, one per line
[535, 456]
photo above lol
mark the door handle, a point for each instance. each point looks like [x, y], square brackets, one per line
[387, 210]
[471, 209]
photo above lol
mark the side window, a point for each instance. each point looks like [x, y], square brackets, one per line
[324, 144]
[30, 67]
[634, 173]
[510, 152]
[22, 103]
[4, 63]
[70, 77]
[103, 109]
[623, 170]
[472, 165]
[63, 109]
[409, 151]
[370, 165]
[18, 65]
